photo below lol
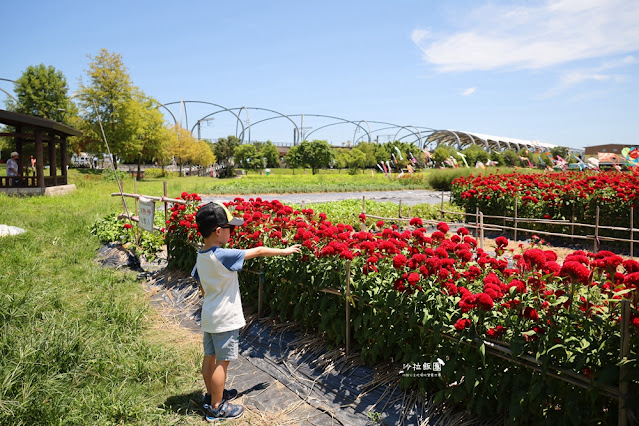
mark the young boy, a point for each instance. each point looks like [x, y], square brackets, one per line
[222, 315]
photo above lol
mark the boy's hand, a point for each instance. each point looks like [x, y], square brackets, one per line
[292, 249]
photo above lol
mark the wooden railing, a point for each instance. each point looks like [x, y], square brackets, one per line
[30, 181]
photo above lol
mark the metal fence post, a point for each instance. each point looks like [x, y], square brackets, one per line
[348, 307]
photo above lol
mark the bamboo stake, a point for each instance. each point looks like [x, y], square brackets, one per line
[477, 222]
[481, 230]
[515, 221]
[623, 380]
[364, 204]
[572, 226]
[400, 209]
[137, 213]
[348, 307]
[597, 232]
[632, 231]
[166, 205]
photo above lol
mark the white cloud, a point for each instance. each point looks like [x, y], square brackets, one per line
[469, 91]
[535, 37]
[597, 74]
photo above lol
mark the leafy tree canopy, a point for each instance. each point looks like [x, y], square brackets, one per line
[248, 157]
[130, 127]
[315, 154]
[224, 148]
[43, 91]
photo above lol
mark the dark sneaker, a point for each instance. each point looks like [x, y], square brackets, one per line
[225, 411]
[227, 395]
[206, 401]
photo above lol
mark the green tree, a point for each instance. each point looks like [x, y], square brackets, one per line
[443, 153]
[316, 154]
[561, 151]
[224, 150]
[153, 135]
[475, 153]
[497, 156]
[368, 149]
[248, 157]
[511, 158]
[294, 158]
[122, 108]
[183, 147]
[43, 91]
[341, 158]
[356, 161]
[204, 155]
[269, 151]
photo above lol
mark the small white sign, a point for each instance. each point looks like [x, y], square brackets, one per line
[147, 214]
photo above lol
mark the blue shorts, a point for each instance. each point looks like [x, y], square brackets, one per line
[224, 346]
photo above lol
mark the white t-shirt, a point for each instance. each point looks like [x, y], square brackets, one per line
[12, 164]
[216, 268]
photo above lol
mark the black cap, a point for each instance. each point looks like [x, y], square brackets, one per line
[213, 215]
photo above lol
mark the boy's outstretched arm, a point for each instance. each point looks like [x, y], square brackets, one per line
[268, 251]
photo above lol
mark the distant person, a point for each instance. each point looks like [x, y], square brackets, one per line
[12, 169]
[222, 317]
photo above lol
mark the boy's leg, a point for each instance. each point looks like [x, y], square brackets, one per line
[208, 367]
[217, 382]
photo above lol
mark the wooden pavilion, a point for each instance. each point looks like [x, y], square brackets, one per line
[35, 131]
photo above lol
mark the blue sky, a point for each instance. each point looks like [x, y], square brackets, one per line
[561, 72]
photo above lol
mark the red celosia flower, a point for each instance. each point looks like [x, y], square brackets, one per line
[438, 236]
[575, 271]
[631, 266]
[127, 226]
[531, 313]
[470, 240]
[380, 223]
[484, 301]
[534, 258]
[399, 261]
[496, 332]
[463, 232]
[413, 278]
[632, 279]
[443, 227]
[416, 222]
[362, 217]
[501, 241]
[462, 324]
[520, 286]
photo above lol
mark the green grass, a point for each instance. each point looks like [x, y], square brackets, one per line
[303, 181]
[73, 336]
